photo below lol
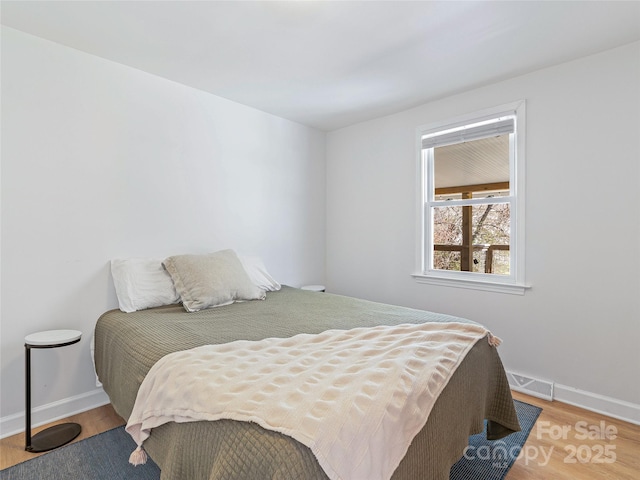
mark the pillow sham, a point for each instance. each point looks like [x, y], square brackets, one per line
[258, 273]
[211, 280]
[142, 283]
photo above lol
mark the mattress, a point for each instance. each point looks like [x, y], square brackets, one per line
[128, 345]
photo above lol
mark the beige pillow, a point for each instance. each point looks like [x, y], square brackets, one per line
[205, 281]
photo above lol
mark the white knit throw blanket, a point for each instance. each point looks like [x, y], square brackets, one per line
[355, 397]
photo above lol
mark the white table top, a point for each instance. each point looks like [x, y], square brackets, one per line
[53, 337]
[313, 288]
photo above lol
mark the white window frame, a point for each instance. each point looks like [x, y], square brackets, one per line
[513, 283]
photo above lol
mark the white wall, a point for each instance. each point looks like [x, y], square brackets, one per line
[100, 161]
[579, 325]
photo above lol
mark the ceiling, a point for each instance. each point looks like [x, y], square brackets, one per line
[329, 64]
[472, 163]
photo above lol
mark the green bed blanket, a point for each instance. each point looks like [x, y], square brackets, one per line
[128, 344]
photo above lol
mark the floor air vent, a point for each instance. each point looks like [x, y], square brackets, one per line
[531, 386]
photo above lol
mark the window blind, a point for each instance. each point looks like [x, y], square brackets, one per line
[468, 133]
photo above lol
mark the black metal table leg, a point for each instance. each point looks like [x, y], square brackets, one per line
[52, 437]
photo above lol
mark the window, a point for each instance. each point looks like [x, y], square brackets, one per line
[471, 227]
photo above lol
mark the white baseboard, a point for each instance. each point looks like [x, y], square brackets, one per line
[12, 424]
[548, 390]
[612, 407]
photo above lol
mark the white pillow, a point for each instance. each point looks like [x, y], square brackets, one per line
[258, 273]
[142, 283]
[211, 280]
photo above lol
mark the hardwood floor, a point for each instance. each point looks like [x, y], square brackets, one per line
[566, 443]
[570, 443]
[93, 422]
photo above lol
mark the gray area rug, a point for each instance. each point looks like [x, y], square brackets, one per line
[101, 457]
[491, 460]
[106, 457]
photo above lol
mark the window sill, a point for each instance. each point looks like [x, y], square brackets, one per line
[511, 288]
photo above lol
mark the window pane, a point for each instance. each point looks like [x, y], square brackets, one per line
[446, 260]
[472, 238]
[475, 169]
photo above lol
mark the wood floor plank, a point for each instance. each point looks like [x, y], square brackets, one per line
[554, 443]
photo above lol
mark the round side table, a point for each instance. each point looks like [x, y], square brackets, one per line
[313, 288]
[58, 435]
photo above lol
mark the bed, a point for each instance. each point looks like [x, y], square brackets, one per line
[127, 345]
